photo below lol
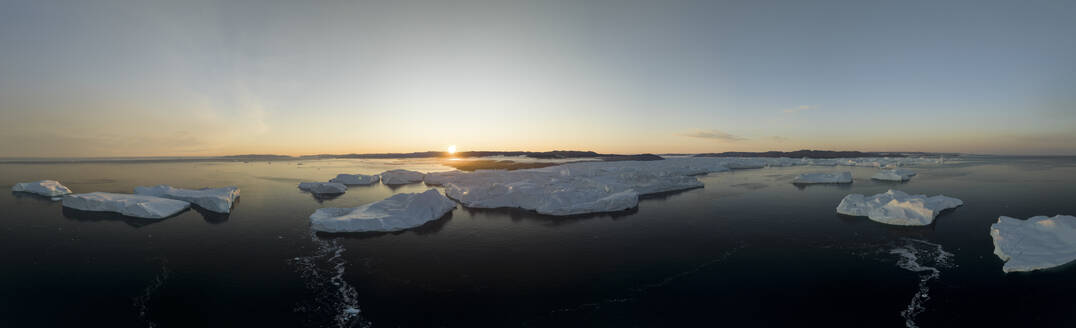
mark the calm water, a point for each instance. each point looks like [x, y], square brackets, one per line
[749, 249]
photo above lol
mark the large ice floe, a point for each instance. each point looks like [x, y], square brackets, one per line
[897, 208]
[399, 212]
[323, 188]
[1037, 243]
[399, 177]
[47, 188]
[218, 200]
[356, 179]
[139, 206]
[894, 175]
[812, 178]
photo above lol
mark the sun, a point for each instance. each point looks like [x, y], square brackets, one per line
[451, 149]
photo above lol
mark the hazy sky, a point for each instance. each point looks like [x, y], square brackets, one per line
[122, 78]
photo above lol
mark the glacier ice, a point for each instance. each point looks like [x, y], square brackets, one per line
[47, 188]
[356, 179]
[399, 212]
[1037, 243]
[323, 188]
[811, 178]
[140, 206]
[894, 175]
[218, 200]
[897, 208]
[399, 177]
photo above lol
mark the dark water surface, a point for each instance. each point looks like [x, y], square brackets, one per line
[749, 249]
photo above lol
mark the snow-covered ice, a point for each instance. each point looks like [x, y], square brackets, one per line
[1037, 243]
[399, 177]
[323, 188]
[894, 175]
[897, 208]
[835, 177]
[399, 212]
[47, 188]
[356, 179]
[218, 200]
[140, 206]
[440, 178]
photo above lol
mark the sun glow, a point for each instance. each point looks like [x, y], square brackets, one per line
[451, 149]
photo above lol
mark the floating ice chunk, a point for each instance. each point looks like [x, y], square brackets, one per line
[399, 177]
[836, 177]
[323, 188]
[140, 206]
[356, 179]
[218, 200]
[47, 188]
[440, 178]
[399, 212]
[1037, 243]
[897, 208]
[894, 175]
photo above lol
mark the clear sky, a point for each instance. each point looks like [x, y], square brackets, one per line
[162, 78]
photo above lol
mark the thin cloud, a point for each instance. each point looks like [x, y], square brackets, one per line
[715, 135]
[801, 108]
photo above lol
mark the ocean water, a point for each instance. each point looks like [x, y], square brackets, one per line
[749, 249]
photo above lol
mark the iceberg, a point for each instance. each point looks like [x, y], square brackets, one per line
[894, 175]
[399, 212]
[139, 206]
[218, 200]
[399, 177]
[323, 188]
[897, 208]
[1037, 243]
[441, 178]
[356, 179]
[811, 178]
[47, 188]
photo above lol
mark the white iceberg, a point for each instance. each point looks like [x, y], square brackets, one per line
[399, 212]
[441, 178]
[323, 188]
[894, 175]
[897, 208]
[218, 200]
[811, 178]
[1037, 243]
[140, 206]
[399, 177]
[47, 188]
[356, 179]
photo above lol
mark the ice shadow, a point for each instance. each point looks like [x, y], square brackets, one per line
[19, 195]
[90, 216]
[397, 186]
[840, 186]
[428, 228]
[320, 198]
[890, 183]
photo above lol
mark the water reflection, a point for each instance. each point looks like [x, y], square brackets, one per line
[32, 197]
[841, 186]
[210, 216]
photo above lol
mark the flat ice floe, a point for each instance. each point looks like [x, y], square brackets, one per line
[894, 175]
[47, 188]
[399, 212]
[356, 179]
[139, 206]
[399, 177]
[218, 200]
[1037, 243]
[323, 188]
[897, 208]
[812, 178]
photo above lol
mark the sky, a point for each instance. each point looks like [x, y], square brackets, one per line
[193, 78]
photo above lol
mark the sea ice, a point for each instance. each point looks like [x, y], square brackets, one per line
[399, 177]
[399, 212]
[811, 178]
[894, 175]
[140, 206]
[897, 208]
[440, 178]
[356, 179]
[1037, 243]
[323, 188]
[47, 188]
[218, 200]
